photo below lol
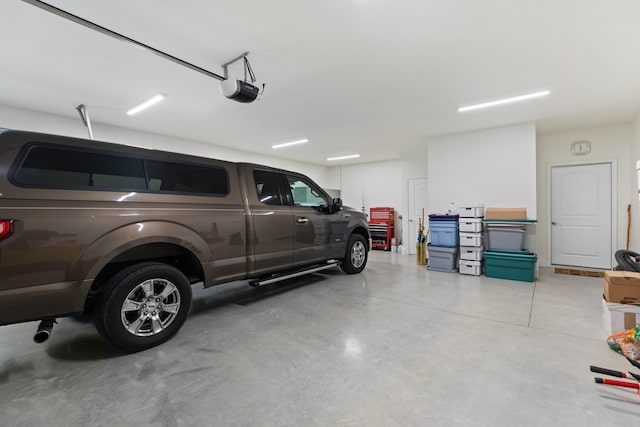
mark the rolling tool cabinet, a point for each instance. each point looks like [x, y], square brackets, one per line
[381, 227]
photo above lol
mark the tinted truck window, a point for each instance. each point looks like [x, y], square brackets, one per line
[268, 187]
[55, 167]
[185, 178]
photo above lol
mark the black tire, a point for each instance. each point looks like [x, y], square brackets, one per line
[355, 258]
[627, 260]
[149, 317]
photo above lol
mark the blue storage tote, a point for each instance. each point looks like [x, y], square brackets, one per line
[444, 233]
[512, 265]
[443, 217]
[442, 259]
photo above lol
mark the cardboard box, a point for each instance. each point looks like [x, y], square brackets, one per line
[619, 317]
[622, 287]
[505, 213]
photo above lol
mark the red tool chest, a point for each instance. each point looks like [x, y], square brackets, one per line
[381, 227]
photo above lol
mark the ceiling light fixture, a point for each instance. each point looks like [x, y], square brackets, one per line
[287, 144]
[146, 104]
[504, 101]
[352, 156]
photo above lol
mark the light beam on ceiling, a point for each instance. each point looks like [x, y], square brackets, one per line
[504, 101]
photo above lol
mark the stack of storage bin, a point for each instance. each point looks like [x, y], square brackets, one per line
[506, 257]
[471, 242]
[443, 248]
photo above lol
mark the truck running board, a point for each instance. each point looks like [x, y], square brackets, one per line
[278, 277]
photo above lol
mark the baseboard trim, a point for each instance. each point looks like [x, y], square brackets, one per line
[578, 272]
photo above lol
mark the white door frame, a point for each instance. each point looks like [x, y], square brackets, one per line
[614, 202]
[409, 246]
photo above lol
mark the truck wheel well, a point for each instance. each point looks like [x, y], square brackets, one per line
[167, 253]
[364, 233]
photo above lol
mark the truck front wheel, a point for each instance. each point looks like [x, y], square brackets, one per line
[143, 306]
[355, 258]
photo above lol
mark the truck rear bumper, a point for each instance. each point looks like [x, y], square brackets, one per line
[42, 301]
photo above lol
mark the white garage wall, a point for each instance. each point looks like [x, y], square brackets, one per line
[495, 167]
[383, 183]
[608, 143]
[41, 122]
[377, 183]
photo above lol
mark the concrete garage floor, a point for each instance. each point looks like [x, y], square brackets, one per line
[395, 346]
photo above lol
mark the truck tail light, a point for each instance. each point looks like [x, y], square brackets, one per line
[6, 228]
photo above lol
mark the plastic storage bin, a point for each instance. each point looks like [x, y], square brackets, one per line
[471, 211]
[444, 233]
[473, 268]
[471, 253]
[516, 265]
[437, 217]
[442, 259]
[505, 236]
[470, 225]
[471, 239]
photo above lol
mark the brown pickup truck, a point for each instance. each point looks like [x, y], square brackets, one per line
[121, 233]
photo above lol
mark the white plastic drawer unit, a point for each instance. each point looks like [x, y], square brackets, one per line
[470, 225]
[470, 239]
[471, 211]
[473, 268]
[471, 253]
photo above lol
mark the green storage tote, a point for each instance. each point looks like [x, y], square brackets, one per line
[512, 265]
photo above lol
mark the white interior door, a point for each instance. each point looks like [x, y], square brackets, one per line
[581, 215]
[417, 201]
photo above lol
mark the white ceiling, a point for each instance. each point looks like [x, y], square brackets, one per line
[374, 77]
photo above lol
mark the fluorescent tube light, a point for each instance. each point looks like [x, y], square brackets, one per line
[146, 104]
[504, 101]
[287, 144]
[352, 156]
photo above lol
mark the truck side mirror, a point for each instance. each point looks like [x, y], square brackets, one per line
[337, 204]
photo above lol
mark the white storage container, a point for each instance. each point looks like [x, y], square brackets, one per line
[473, 268]
[471, 211]
[470, 225]
[470, 239]
[471, 253]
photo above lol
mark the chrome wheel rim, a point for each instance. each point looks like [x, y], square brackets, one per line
[150, 307]
[358, 252]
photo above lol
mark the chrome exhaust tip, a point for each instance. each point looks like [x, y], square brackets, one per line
[44, 331]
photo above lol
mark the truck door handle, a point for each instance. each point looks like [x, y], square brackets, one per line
[554, 223]
[302, 220]
[346, 215]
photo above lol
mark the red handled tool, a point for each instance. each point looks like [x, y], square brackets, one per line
[628, 384]
[618, 383]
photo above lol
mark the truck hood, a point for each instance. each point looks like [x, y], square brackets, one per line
[352, 210]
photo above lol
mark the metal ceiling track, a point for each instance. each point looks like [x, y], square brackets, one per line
[93, 26]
